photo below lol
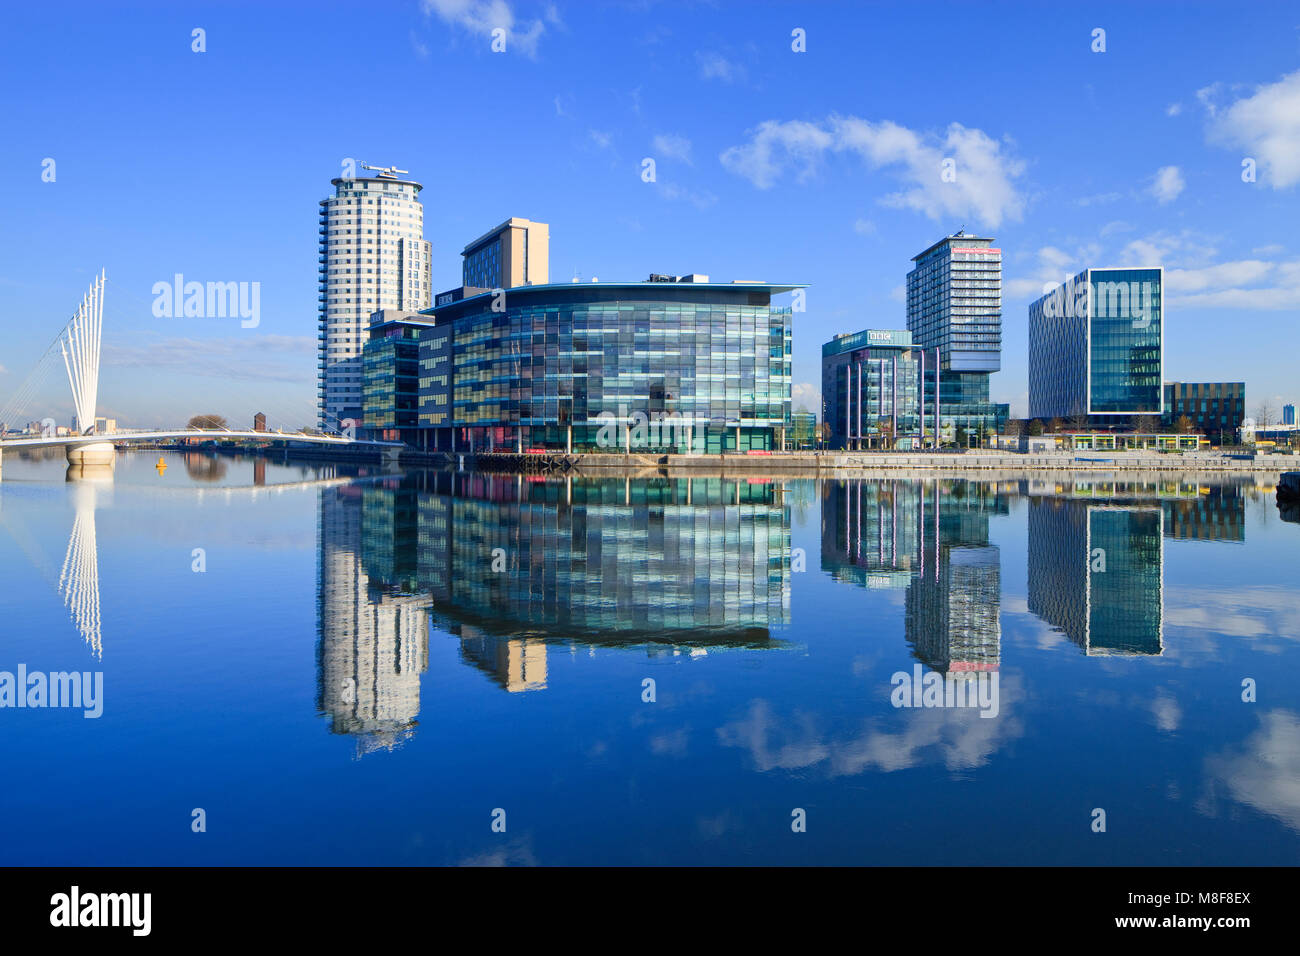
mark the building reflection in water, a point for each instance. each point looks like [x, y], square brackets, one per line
[1096, 554]
[511, 565]
[931, 538]
[373, 636]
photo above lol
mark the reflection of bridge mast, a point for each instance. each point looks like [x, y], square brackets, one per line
[79, 579]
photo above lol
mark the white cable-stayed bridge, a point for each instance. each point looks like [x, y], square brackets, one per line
[79, 345]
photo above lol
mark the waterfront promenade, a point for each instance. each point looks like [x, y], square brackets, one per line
[842, 464]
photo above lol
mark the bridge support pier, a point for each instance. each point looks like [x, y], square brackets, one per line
[92, 453]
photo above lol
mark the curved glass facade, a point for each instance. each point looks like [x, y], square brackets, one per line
[641, 367]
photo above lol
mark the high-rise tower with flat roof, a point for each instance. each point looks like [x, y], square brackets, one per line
[515, 253]
[954, 309]
[373, 256]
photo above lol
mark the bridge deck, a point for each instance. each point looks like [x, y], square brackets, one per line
[121, 438]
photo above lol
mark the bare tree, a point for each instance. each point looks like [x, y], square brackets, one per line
[206, 421]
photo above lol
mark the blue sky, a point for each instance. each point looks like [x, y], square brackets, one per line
[817, 166]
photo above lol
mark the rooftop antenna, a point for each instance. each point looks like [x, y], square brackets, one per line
[385, 172]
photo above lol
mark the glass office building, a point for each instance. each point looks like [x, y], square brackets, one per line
[1096, 347]
[880, 390]
[954, 308]
[873, 390]
[390, 376]
[639, 366]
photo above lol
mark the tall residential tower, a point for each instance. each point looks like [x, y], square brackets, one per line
[373, 256]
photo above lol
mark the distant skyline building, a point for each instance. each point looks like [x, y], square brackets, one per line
[954, 306]
[515, 253]
[373, 255]
[1096, 347]
[1288, 414]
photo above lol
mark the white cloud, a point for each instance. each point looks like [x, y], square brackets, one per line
[1265, 124]
[601, 139]
[1173, 109]
[1186, 249]
[898, 293]
[806, 395]
[1223, 275]
[700, 200]
[1206, 96]
[715, 66]
[1194, 276]
[1100, 199]
[864, 227]
[1168, 184]
[773, 146]
[419, 46]
[1168, 715]
[481, 17]
[1052, 266]
[983, 187]
[957, 738]
[672, 146]
[1264, 771]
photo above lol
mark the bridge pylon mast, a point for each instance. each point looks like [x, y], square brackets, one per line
[80, 345]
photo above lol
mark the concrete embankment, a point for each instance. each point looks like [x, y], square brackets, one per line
[841, 464]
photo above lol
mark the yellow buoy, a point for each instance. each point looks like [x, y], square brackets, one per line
[161, 466]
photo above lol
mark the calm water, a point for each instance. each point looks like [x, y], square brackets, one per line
[370, 666]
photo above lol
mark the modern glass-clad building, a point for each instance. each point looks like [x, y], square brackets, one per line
[880, 390]
[873, 389]
[954, 303]
[639, 366]
[1216, 409]
[954, 309]
[1096, 347]
[390, 375]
